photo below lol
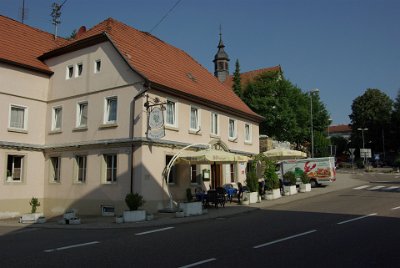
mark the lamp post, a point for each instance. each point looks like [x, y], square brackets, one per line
[311, 119]
[362, 134]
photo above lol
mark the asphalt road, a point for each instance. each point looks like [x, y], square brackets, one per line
[354, 227]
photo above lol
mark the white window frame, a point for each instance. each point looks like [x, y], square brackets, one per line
[113, 169]
[69, 72]
[232, 129]
[25, 117]
[214, 123]
[79, 69]
[174, 113]
[11, 169]
[55, 170]
[197, 118]
[97, 66]
[107, 110]
[79, 115]
[56, 117]
[248, 135]
[81, 172]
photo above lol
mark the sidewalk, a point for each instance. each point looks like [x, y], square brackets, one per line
[164, 219]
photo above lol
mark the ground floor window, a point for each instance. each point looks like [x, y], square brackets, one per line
[15, 167]
[194, 174]
[81, 161]
[172, 173]
[110, 167]
[55, 168]
[232, 172]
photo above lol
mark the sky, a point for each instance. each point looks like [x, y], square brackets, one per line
[341, 47]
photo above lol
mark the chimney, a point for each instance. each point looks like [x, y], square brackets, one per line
[80, 32]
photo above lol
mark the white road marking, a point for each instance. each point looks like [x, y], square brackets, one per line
[198, 263]
[359, 218]
[361, 187]
[72, 246]
[395, 208]
[153, 231]
[391, 188]
[284, 239]
[376, 188]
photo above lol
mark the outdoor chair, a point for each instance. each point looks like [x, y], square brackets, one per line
[221, 196]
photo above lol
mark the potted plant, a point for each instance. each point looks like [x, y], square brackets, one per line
[252, 185]
[271, 181]
[191, 207]
[305, 185]
[34, 216]
[134, 201]
[290, 180]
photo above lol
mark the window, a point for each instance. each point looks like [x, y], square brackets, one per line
[194, 119]
[232, 172]
[18, 117]
[70, 72]
[172, 173]
[57, 118]
[79, 69]
[110, 115]
[14, 168]
[194, 175]
[214, 124]
[97, 66]
[111, 167]
[232, 129]
[82, 114]
[171, 113]
[81, 161]
[55, 168]
[247, 133]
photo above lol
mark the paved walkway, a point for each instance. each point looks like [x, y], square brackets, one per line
[343, 181]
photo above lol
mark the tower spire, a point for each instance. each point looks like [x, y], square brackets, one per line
[221, 60]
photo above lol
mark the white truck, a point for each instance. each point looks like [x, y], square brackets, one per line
[319, 170]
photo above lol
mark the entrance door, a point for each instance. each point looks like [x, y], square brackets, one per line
[216, 173]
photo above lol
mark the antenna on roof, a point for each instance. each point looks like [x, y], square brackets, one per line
[56, 14]
[23, 12]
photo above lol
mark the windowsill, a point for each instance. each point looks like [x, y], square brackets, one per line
[55, 182]
[214, 136]
[171, 183]
[78, 129]
[173, 128]
[79, 183]
[195, 132]
[18, 130]
[248, 142]
[56, 131]
[233, 139]
[10, 181]
[108, 125]
[109, 182]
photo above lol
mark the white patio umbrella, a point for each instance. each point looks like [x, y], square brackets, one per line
[283, 153]
[211, 156]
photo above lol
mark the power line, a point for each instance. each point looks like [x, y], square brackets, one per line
[165, 16]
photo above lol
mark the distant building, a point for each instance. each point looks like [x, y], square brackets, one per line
[343, 131]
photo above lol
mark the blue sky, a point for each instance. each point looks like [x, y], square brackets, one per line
[341, 47]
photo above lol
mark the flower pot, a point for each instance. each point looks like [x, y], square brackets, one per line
[290, 190]
[191, 208]
[305, 187]
[119, 219]
[134, 215]
[30, 217]
[274, 194]
[252, 197]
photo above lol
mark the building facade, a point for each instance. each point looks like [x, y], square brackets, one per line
[76, 114]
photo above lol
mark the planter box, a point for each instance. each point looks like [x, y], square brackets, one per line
[30, 217]
[274, 194]
[69, 215]
[305, 187]
[252, 197]
[134, 215]
[290, 190]
[179, 214]
[191, 208]
[119, 219]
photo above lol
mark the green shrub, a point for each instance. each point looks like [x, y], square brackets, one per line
[252, 181]
[304, 178]
[290, 177]
[134, 201]
[271, 178]
[34, 204]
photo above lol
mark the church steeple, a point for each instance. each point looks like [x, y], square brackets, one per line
[221, 59]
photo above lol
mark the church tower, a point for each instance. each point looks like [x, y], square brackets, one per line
[221, 59]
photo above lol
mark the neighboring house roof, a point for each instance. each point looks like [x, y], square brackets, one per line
[339, 129]
[22, 45]
[247, 77]
[166, 67]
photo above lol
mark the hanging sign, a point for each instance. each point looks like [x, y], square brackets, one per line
[155, 126]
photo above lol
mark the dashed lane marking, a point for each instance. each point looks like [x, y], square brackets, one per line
[284, 239]
[198, 263]
[362, 187]
[71, 246]
[358, 218]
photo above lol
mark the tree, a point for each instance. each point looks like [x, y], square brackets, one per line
[237, 86]
[393, 140]
[285, 107]
[371, 110]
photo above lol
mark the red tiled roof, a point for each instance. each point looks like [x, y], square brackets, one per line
[22, 45]
[249, 76]
[166, 66]
[339, 129]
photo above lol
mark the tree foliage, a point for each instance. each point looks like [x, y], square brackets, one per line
[237, 86]
[286, 108]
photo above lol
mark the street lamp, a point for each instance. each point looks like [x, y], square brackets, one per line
[362, 133]
[311, 119]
